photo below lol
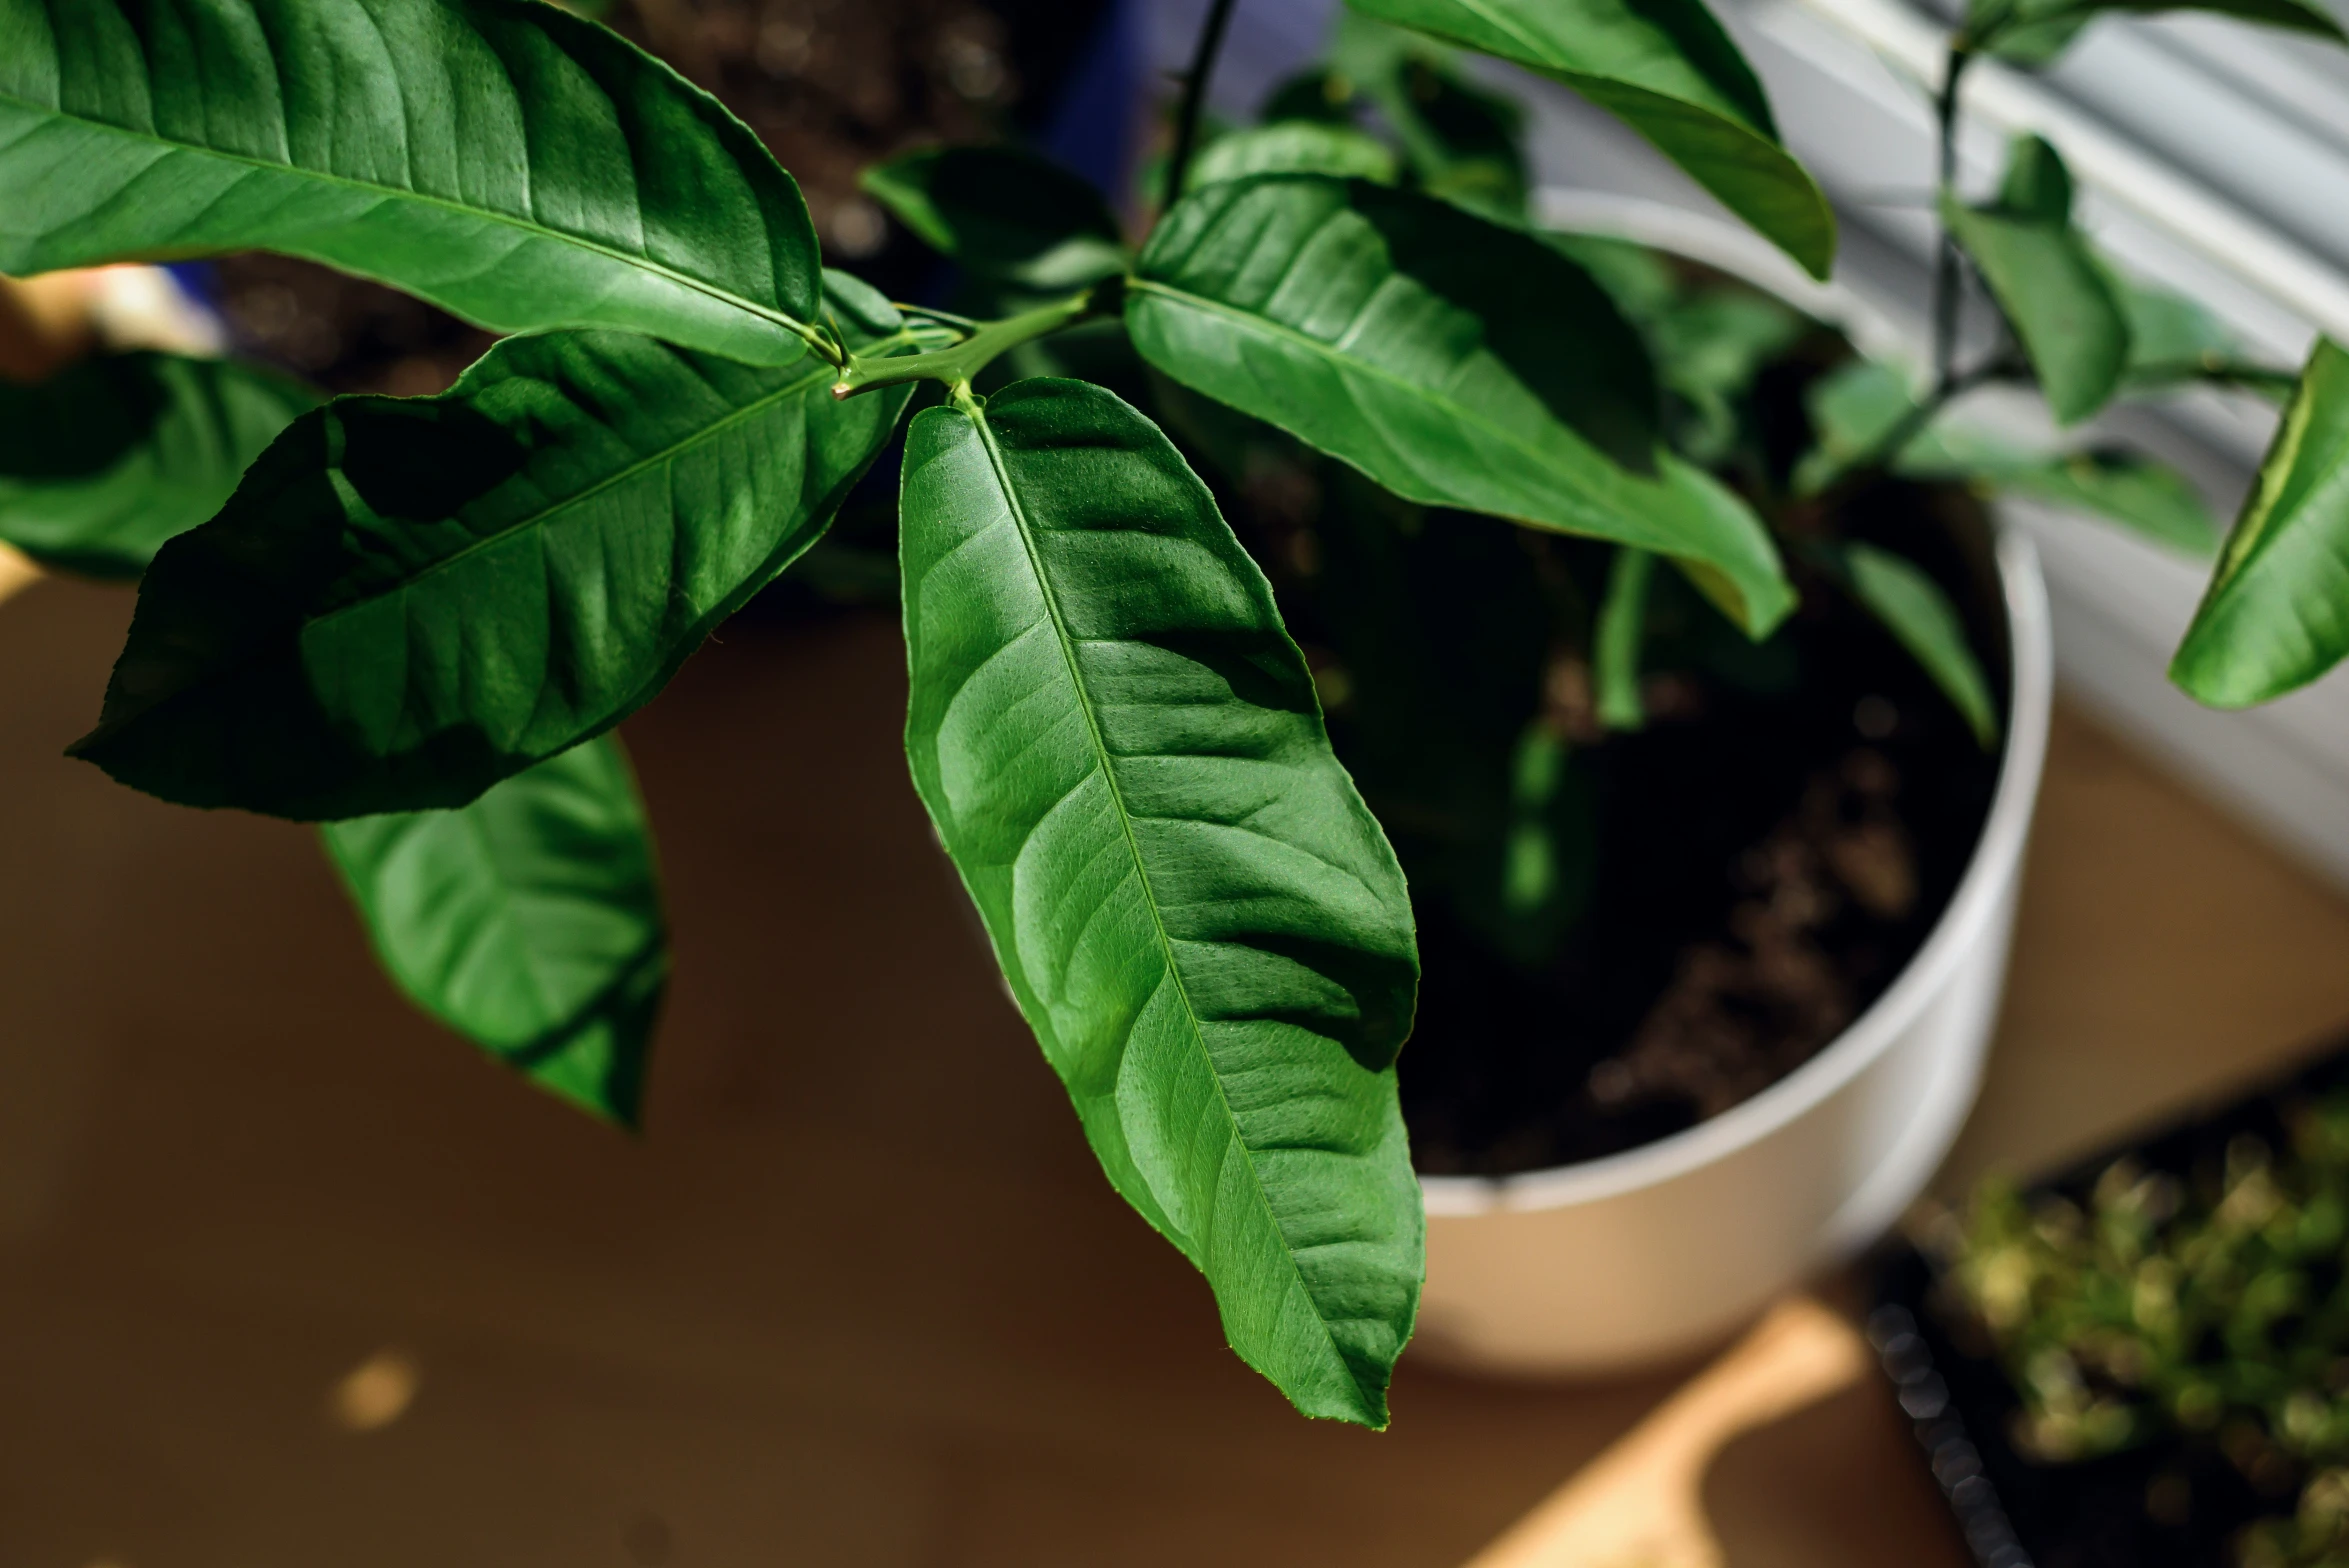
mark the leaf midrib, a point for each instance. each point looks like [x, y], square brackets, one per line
[1125, 821]
[789, 323]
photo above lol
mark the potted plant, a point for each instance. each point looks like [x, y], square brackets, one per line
[417, 621]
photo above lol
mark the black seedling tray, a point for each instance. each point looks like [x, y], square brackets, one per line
[2016, 1511]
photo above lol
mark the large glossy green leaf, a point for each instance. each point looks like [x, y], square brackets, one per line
[518, 165]
[410, 599]
[1858, 407]
[2033, 32]
[1920, 617]
[1457, 362]
[1003, 212]
[529, 921]
[1123, 753]
[104, 462]
[2276, 615]
[2048, 280]
[1666, 69]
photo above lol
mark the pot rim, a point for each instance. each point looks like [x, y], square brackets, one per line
[1997, 854]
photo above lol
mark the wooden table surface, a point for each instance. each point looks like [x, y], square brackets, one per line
[290, 1279]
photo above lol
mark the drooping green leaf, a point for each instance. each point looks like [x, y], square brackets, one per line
[1548, 851]
[1123, 754]
[1306, 146]
[2276, 614]
[1637, 279]
[1858, 407]
[2169, 334]
[1919, 615]
[1003, 212]
[2175, 341]
[517, 165]
[410, 599]
[101, 464]
[1465, 144]
[2149, 498]
[529, 921]
[1710, 347]
[1615, 646]
[1666, 69]
[2048, 281]
[2031, 33]
[1456, 362]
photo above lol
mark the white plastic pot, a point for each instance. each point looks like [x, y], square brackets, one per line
[1659, 1251]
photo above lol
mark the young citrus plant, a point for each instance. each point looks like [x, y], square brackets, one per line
[417, 621]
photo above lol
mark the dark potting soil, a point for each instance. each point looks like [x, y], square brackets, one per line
[829, 85]
[1765, 867]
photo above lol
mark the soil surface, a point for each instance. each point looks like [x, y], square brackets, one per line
[1765, 867]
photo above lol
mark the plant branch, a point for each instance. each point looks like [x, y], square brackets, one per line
[957, 365]
[1946, 277]
[1882, 453]
[2240, 374]
[1178, 164]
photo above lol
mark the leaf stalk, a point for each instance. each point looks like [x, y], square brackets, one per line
[957, 365]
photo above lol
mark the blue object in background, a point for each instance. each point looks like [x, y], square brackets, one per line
[196, 279]
[1096, 126]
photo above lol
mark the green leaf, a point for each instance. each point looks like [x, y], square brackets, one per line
[2174, 340]
[529, 921]
[1003, 212]
[1710, 347]
[2032, 33]
[410, 599]
[1304, 146]
[1456, 362]
[2048, 281]
[1465, 144]
[1123, 754]
[1320, 94]
[2149, 498]
[1854, 409]
[1919, 615]
[517, 165]
[102, 463]
[2276, 615]
[2169, 335]
[1615, 646]
[1665, 68]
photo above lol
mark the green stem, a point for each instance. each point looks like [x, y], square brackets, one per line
[1946, 279]
[1615, 646]
[1886, 449]
[1178, 164]
[957, 365]
[2239, 374]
